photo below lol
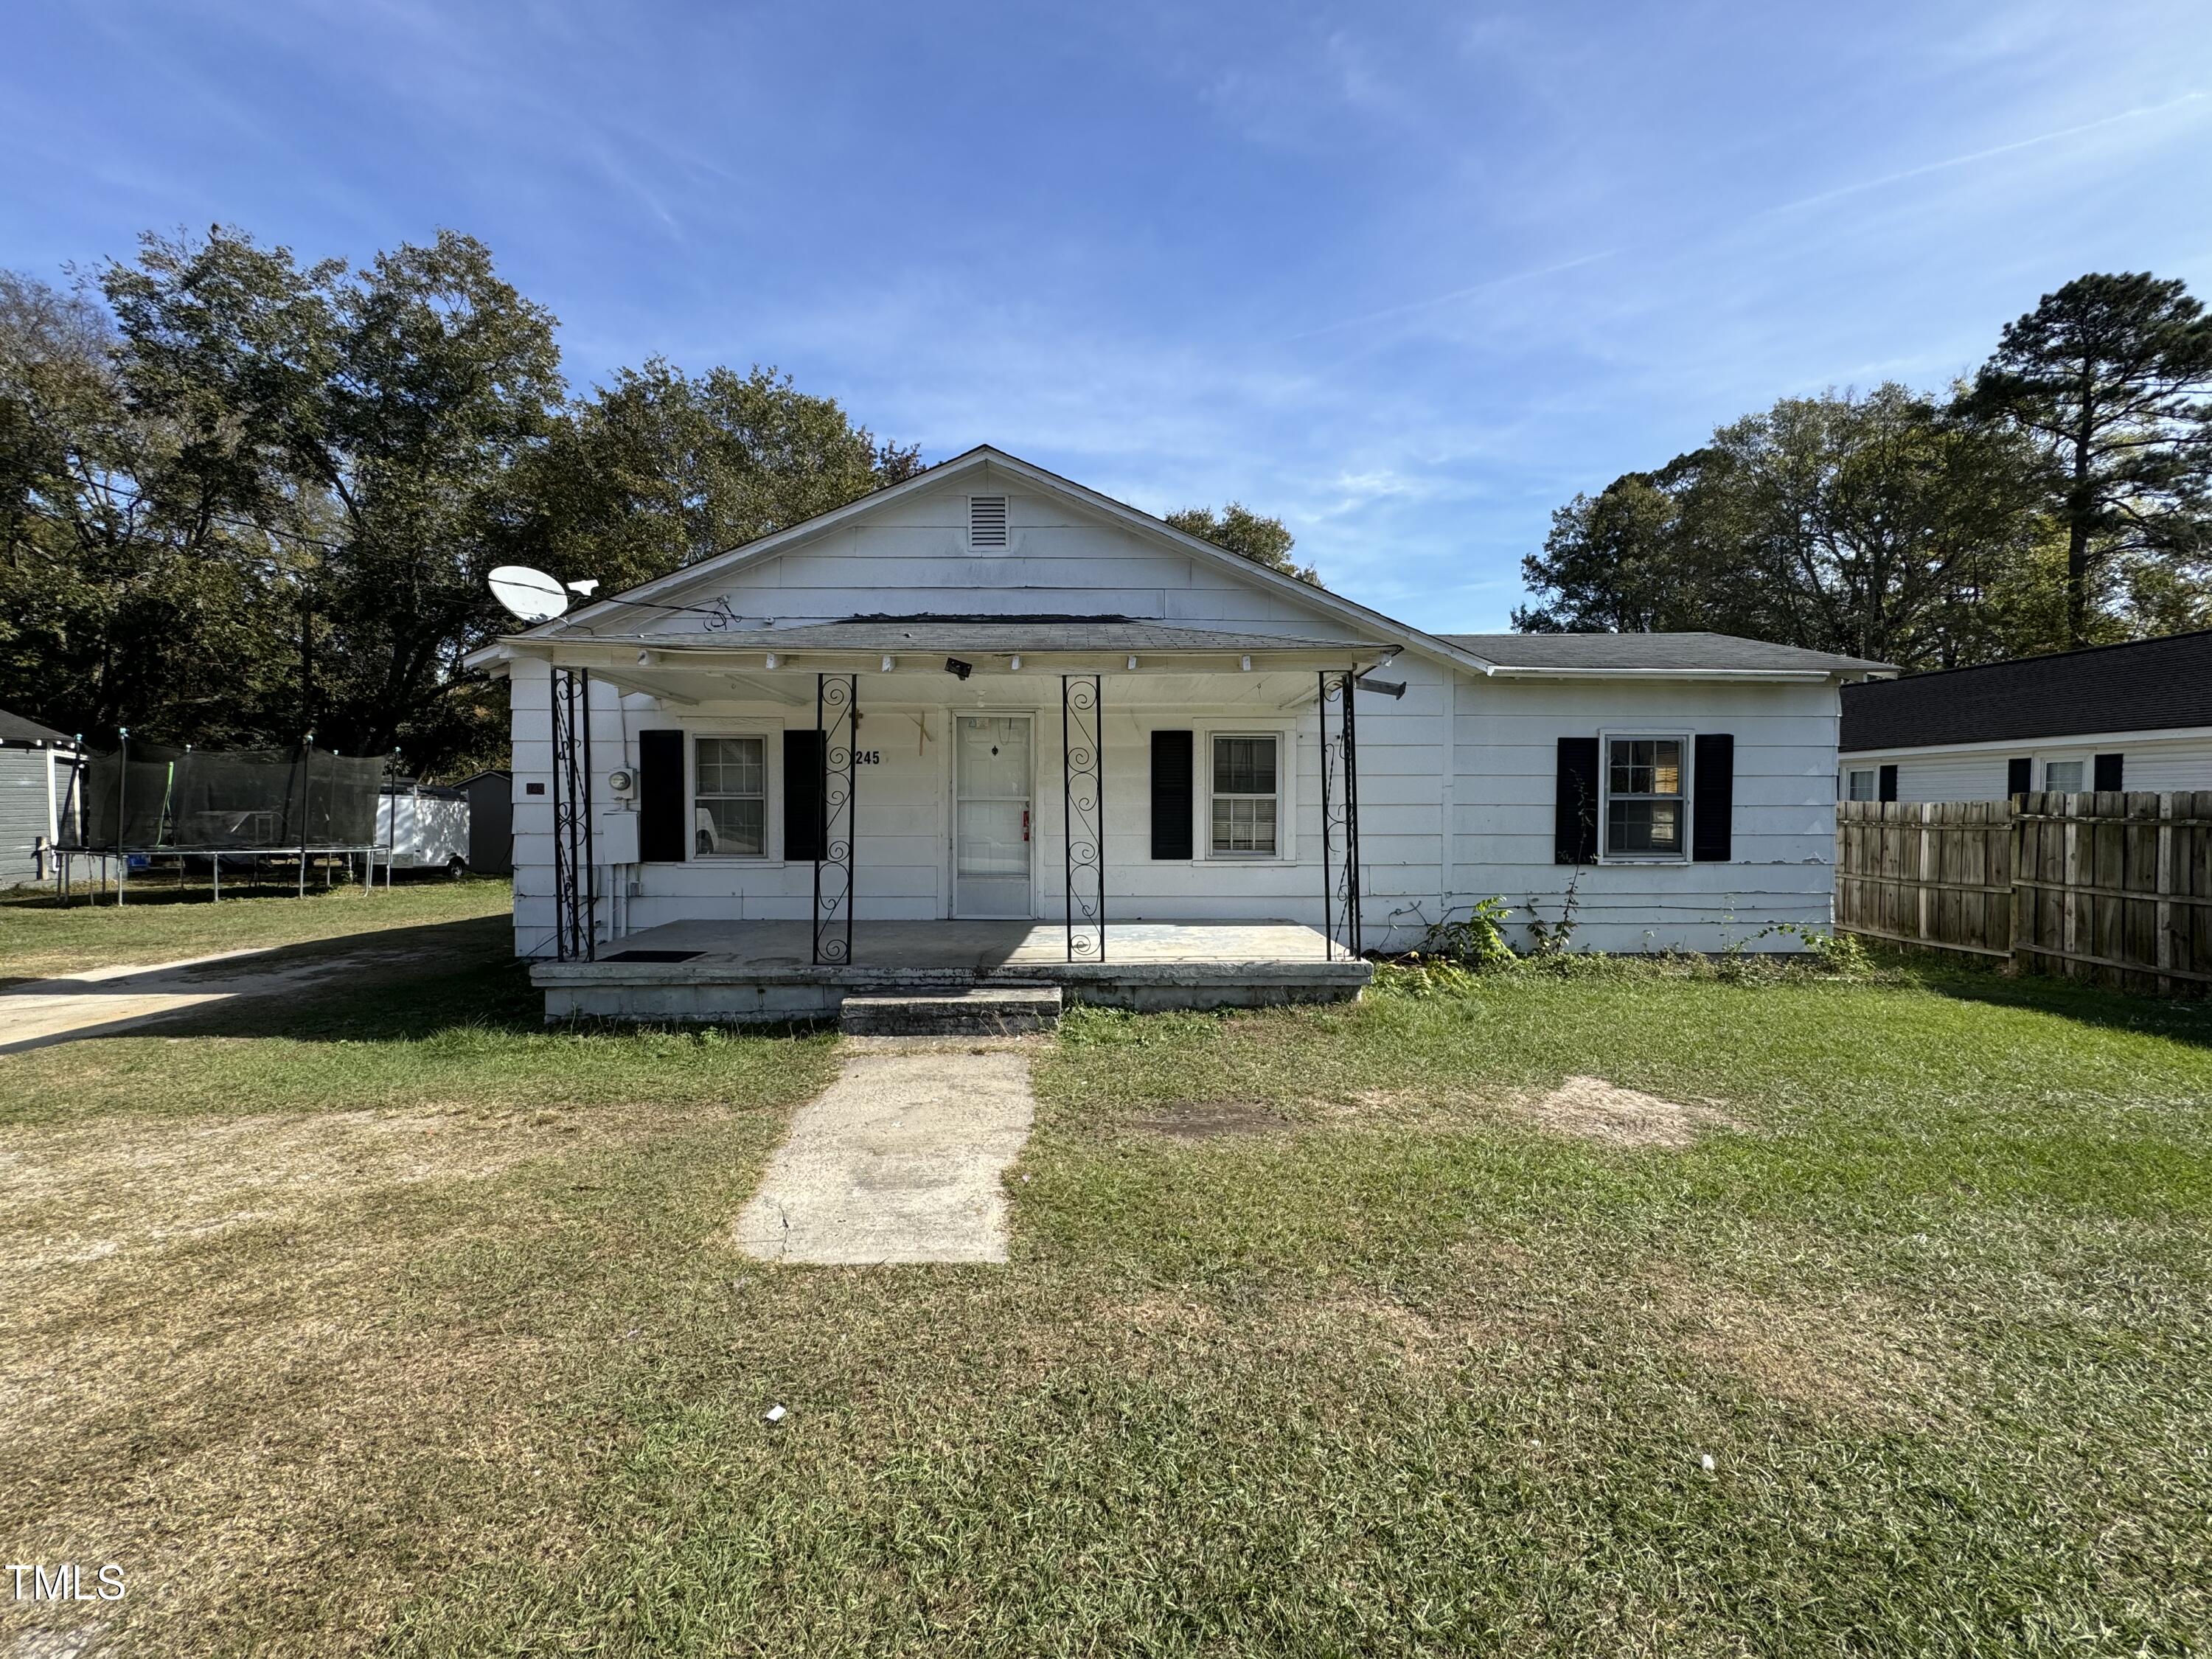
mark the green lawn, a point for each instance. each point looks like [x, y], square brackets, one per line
[405, 1326]
[161, 921]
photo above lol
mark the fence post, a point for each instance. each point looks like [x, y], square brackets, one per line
[2164, 890]
[1925, 874]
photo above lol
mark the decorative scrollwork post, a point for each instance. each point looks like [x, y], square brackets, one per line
[1340, 814]
[836, 716]
[576, 878]
[1083, 807]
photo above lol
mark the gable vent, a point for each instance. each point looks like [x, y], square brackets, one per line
[987, 521]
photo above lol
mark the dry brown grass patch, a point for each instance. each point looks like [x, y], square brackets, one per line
[1850, 1359]
[215, 1372]
[1214, 1120]
[1591, 1108]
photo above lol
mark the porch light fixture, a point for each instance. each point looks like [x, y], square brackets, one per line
[958, 669]
[1016, 666]
[771, 659]
[1245, 663]
[887, 665]
[1133, 665]
[644, 659]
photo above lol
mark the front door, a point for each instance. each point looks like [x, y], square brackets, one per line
[991, 816]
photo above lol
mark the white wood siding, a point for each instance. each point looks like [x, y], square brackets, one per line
[1506, 751]
[1455, 781]
[1978, 772]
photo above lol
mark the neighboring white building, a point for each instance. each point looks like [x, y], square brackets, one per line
[1684, 783]
[36, 765]
[2135, 717]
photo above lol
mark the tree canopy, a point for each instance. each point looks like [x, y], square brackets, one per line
[2058, 499]
[244, 498]
[1247, 534]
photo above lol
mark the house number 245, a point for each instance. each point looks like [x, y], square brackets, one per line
[867, 758]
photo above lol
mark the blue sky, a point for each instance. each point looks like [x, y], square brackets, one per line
[1409, 277]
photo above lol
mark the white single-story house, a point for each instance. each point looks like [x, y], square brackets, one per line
[987, 723]
[2136, 716]
[36, 766]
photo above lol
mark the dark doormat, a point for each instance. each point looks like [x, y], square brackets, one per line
[652, 956]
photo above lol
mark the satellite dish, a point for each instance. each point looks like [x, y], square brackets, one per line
[588, 587]
[530, 595]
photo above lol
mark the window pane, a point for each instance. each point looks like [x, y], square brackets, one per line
[1244, 766]
[1666, 767]
[1861, 786]
[733, 826]
[1243, 825]
[2063, 775]
[733, 766]
[1643, 826]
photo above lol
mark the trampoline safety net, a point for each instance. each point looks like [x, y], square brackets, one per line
[194, 800]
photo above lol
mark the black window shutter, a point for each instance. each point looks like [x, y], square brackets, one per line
[1574, 802]
[660, 805]
[2020, 776]
[1888, 783]
[802, 829]
[2108, 771]
[1171, 794]
[1712, 803]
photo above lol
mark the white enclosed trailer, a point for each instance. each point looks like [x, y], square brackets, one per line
[422, 827]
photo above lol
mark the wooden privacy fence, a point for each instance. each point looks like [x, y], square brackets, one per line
[2112, 887]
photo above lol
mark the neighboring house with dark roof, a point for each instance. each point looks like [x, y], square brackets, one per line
[1051, 684]
[36, 764]
[2136, 716]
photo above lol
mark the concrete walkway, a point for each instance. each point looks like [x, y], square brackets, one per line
[899, 1159]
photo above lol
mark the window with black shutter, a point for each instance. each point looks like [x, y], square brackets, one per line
[802, 829]
[661, 809]
[1712, 798]
[1888, 785]
[1575, 803]
[2020, 774]
[1172, 774]
[2108, 772]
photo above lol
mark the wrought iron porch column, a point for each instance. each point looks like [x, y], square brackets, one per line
[836, 716]
[576, 878]
[1083, 813]
[1340, 814]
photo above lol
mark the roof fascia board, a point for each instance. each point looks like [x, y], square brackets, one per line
[1788, 676]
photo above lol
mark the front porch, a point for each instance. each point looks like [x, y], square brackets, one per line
[757, 971]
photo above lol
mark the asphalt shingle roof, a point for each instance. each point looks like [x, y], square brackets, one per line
[14, 728]
[2150, 685]
[1721, 651]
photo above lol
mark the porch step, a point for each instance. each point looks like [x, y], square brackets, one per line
[997, 1012]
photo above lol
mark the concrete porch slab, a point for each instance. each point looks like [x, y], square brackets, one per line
[757, 971]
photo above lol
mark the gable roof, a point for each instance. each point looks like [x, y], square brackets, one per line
[1367, 623]
[2146, 685]
[1655, 653]
[1483, 654]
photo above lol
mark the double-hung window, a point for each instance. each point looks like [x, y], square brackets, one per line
[1646, 802]
[2063, 777]
[730, 797]
[1246, 797]
[1861, 784]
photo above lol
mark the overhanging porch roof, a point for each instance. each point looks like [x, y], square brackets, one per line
[988, 644]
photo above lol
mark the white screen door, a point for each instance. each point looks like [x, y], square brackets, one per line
[991, 816]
